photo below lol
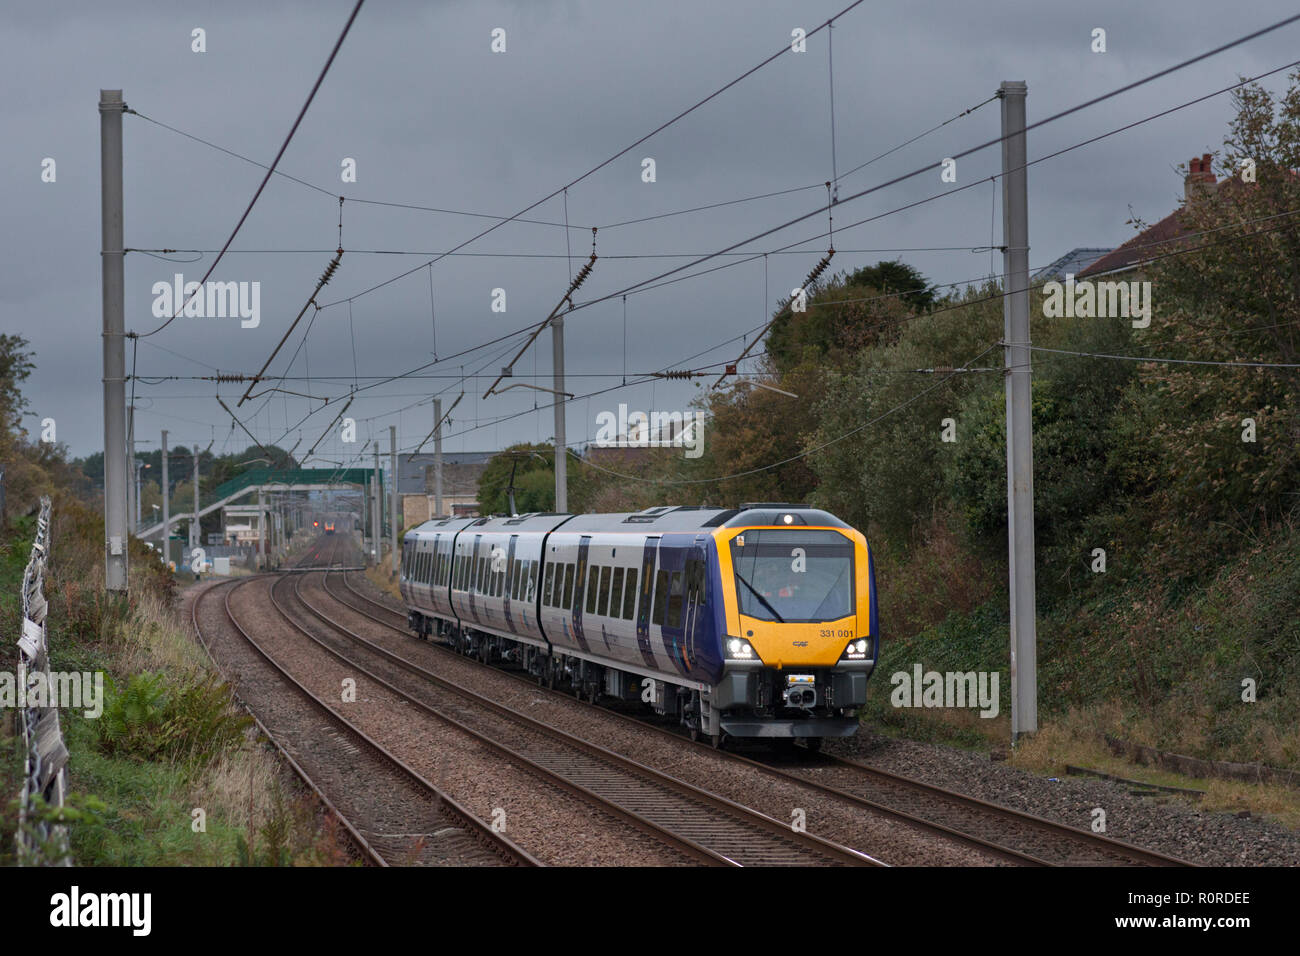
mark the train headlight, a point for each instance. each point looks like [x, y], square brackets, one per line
[857, 650]
[739, 649]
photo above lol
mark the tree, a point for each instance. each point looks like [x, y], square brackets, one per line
[842, 318]
[15, 366]
[877, 451]
[894, 277]
[534, 480]
[1228, 296]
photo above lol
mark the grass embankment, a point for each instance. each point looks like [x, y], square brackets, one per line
[1164, 670]
[171, 773]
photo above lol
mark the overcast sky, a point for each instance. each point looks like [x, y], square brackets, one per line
[433, 117]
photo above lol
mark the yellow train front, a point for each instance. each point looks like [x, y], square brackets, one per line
[797, 621]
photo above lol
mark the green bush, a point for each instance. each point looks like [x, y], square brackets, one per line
[150, 717]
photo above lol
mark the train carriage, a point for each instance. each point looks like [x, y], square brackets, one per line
[757, 621]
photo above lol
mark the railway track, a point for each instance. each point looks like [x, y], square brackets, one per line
[1011, 835]
[707, 827]
[391, 813]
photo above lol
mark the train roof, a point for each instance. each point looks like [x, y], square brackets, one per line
[666, 518]
[699, 518]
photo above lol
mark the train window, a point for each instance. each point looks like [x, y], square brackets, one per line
[568, 587]
[616, 593]
[816, 586]
[661, 596]
[593, 582]
[602, 600]
[519, 574]
[531, 574]
[480, 574]
[675, 600]
[546, 584]
[629, 595]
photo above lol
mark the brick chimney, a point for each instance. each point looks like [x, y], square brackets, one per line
[1200, 177]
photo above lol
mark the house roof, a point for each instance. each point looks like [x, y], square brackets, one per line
[1073, 262]
[1151, 242]
[1158, 239]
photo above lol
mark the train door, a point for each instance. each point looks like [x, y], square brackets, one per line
[696, 602]
[584, 548]
[649, 557]
[511, 570]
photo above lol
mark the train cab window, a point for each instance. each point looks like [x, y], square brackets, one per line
[593, 585]
[546, 584]
[675, 590]
[629, 595]
[661, 596]
[616, 593]
[568, 587]
[817, 585]
[602, 599]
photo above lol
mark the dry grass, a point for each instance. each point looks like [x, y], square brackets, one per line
[240, 788]
[1073, 740]
[382, 575]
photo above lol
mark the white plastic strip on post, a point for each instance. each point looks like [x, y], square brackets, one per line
[47, 754]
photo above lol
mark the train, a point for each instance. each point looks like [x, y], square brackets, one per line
[329, 527]
[758, 621]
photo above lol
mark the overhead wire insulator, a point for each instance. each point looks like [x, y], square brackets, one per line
[818, 269]
[330, 269]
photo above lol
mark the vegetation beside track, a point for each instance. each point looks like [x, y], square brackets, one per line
[170, 740]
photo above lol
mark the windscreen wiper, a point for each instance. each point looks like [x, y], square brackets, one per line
[741, 578]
